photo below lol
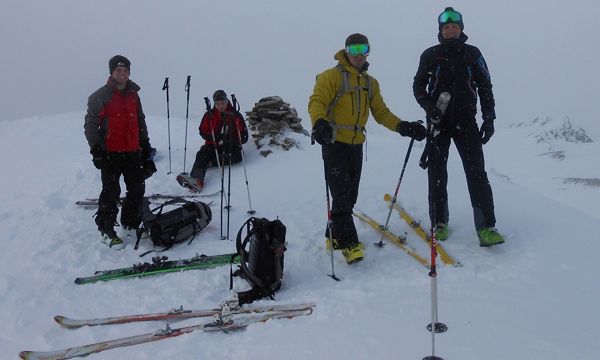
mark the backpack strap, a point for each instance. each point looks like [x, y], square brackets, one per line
[343, 89]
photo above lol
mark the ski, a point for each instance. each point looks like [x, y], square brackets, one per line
[94, 201]
[159, 265]
[416, 226]
[180, 314]
[225, 324]
[400, 241]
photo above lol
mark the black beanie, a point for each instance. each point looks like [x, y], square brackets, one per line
[219, 95]
[356, 39]
[460, 22]
[118, 60]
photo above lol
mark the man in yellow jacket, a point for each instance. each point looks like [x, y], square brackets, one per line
[339, 108]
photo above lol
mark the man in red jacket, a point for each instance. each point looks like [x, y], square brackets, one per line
[224, 131]
[115, 128]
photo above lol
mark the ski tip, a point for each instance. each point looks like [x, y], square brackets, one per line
[25, 354]
[59, 319]
[387, 197]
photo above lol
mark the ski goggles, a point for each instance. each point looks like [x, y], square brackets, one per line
[449, 16]
[358, 49]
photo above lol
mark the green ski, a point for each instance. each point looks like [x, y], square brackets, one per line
[159, 265]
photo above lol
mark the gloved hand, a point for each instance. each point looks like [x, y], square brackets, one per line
[149, 168]
[146, 150]
[434, 114]
[486, 131]
[412, 129]
[99, 157]
[322, 132]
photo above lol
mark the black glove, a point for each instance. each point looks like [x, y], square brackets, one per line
[149, 168]
[432, 111]
[322, 132]
[99, 157]
[147, 150]
[486, 131]
[412, 129]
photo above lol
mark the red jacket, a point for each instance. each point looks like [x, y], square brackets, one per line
[115, 121]
[225, 126]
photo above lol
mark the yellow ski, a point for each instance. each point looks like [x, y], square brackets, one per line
[416, 226]
[392, 237]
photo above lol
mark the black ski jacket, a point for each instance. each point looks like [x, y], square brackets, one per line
[459, 69]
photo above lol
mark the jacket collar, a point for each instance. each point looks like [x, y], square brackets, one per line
[129, 87]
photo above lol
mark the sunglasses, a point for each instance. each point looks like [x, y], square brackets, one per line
[358, 49]
[449, 16]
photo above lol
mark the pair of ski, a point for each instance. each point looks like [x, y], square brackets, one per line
[401, 240]
[94, 201]
[223, 320]
[159, 265]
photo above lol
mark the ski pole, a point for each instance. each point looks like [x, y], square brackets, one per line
[236, 107]
[434, 326]
[212, 129]
[387, 221]
[166, 87]
[187, 110]
[228, 183]
[330, 230]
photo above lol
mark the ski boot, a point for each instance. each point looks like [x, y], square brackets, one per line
[441, 232]
[110, 238]
[489, 236]
[354, 253]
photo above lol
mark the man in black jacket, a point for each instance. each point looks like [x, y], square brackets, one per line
[459, 69]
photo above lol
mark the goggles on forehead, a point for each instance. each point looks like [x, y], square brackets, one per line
[449, 16]
[358, 49]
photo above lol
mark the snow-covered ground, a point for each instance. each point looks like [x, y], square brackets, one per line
[531, 298]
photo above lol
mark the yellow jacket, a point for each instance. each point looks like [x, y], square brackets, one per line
[352, 108]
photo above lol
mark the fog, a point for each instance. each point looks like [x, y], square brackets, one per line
[543, 55]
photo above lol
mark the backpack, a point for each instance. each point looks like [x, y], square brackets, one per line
[174, 226]
[261, 254]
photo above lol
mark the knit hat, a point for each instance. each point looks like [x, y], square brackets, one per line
[219, 95]
[450, 16]
[356, 39]
[118, 60]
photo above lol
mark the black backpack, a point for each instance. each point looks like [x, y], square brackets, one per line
[261, 255]
[174, 226]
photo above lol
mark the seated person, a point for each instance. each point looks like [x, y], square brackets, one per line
[224, 131]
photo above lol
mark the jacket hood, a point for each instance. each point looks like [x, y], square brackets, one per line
[340, 56]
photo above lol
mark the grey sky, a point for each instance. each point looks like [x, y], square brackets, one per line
[543, 55]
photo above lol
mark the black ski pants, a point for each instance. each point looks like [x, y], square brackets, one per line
[343, 166]
[468, 143]
[206, 157]
[129, 165]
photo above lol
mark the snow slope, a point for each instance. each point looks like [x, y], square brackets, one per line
[532, 298]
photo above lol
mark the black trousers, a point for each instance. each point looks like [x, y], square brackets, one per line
[468, 143]
[343, 166]
[130, 166]
[206, 157]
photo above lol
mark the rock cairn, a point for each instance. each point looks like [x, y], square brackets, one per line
[272, 121]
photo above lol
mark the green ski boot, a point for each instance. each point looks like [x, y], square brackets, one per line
[489, 237]
[441, 232]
